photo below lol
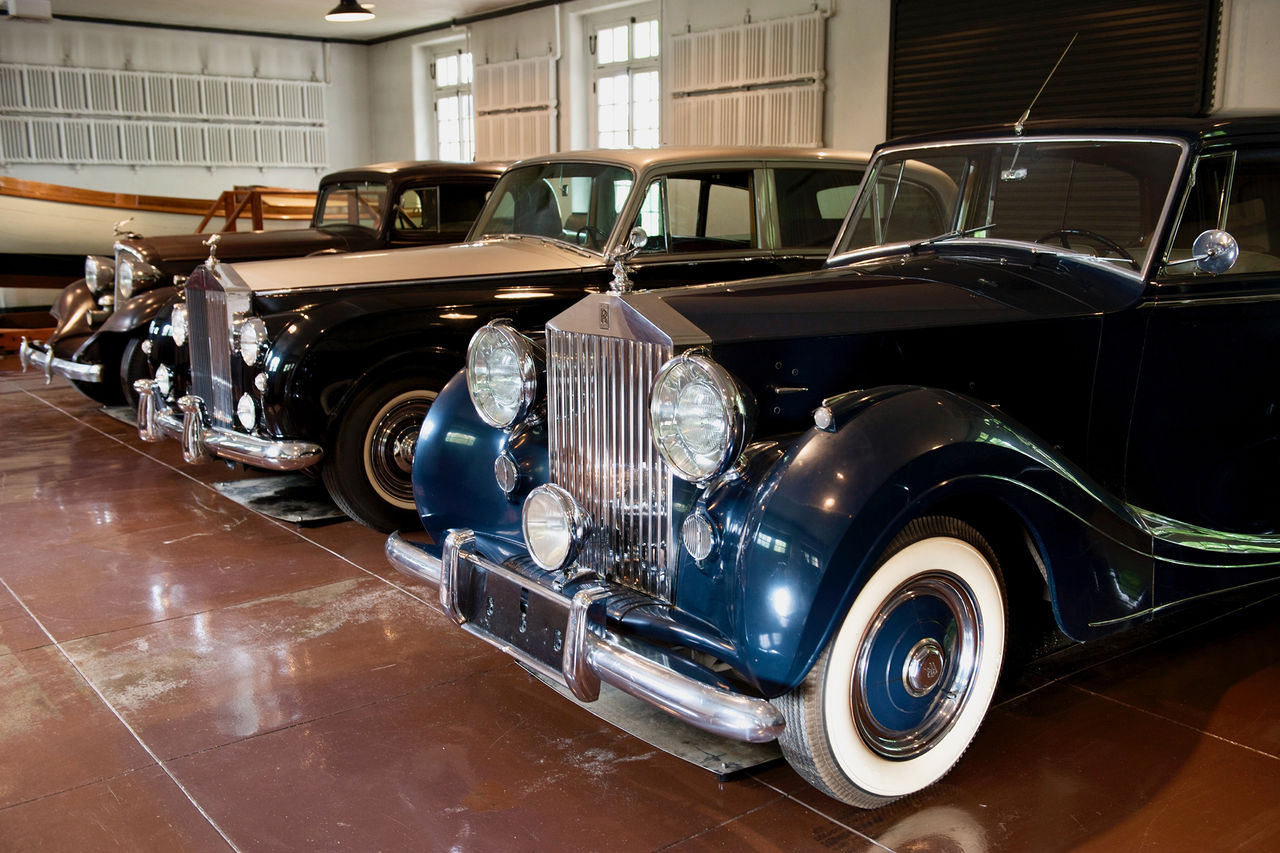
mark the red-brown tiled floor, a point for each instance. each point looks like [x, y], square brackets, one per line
[178, 673]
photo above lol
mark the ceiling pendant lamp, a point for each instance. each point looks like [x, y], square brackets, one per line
[348, 10]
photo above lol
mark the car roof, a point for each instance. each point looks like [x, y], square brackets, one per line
[1191, 130]
[643, 158]
[403, 169]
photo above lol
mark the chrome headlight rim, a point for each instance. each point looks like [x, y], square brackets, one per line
[251, 340]
[494, 338]
[676, 377]
[99, 273]
[178, 325]
[134, 273]
[558, 505]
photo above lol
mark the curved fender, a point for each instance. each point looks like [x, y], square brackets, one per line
[453, 479]
[138, 311]
[817, 523]
[71, 309]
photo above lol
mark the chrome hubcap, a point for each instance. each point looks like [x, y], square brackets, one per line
[923, 667]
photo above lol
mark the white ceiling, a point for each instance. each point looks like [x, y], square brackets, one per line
[281, 17]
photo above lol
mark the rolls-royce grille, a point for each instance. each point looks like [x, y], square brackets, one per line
[210, 351]
[602, 451]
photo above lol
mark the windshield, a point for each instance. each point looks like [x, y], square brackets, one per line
[1101, 198]
[574, 202]
[358, 203]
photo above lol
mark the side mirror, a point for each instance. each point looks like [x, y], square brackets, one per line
[636, 241]
[1215, 251]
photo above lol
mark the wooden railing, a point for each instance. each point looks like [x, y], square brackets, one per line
[257, 204]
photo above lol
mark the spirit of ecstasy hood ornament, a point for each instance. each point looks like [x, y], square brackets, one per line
[636, 241]
[212, 243]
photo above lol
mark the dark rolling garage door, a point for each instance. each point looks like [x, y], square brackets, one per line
[956, 63]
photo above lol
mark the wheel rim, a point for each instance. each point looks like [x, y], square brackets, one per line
[389, 446]
[916, 665]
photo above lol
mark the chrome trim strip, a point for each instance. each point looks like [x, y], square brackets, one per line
[592, 654]
[200, 440]
[410, 559]
[50, 364]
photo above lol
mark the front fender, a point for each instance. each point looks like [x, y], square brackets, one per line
[71, 309]
[814, 527]
[453, 479]
[138, 311]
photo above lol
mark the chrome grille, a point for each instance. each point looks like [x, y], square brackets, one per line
[602, 451]
[209, 346]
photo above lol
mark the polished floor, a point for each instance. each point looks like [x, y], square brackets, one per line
[179, 673]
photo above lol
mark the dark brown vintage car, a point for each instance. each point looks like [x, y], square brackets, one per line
[103, 318]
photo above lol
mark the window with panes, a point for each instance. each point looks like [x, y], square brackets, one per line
[455, 115]
[625, 83]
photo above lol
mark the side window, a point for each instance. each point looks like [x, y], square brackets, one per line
[703, 212]
[812, 203]
[417, 210]
[352, 204]
[1241, 194]
[460, 205]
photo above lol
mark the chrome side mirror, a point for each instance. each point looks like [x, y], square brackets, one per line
[1215, 251]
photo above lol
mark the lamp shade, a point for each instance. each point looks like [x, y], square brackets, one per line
[348, 10]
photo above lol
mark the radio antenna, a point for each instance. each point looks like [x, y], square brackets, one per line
[1017, 125]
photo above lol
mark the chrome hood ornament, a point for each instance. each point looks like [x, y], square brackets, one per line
[636, 241]
[119, 229]
[212, 243]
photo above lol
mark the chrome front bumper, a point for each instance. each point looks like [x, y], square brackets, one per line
[30, 354]
[592, 653]
[201, 440]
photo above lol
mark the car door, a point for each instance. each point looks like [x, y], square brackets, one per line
[1204, 443]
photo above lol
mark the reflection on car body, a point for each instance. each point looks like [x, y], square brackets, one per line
[1028, 387]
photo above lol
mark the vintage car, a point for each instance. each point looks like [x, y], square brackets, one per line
[332, 362]
[1033, 378]
[103, 318]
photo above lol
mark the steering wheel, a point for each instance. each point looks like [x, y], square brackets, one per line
[403, 220]
[1064, 235]
[590, 236]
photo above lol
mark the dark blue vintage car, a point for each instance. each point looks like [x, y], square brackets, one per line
[817, 507]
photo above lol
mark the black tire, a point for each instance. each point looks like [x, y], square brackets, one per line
[900, 690]
[368, 464]
[133, 366]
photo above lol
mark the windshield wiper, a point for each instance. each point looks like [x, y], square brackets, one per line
[952, 235]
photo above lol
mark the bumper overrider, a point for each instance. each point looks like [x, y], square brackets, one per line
[203, 440]
[567, 638]
[37, 354]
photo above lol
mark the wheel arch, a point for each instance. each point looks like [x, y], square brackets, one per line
[913, 453]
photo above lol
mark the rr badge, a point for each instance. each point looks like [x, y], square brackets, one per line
[604, 316]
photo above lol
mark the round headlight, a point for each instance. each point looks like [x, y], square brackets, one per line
[98, 273]
[178, 324]
[697, 416]
[164, 380]
[502, 377]
[554, 526]
[125, 287]
[253, 340]
[247, 411]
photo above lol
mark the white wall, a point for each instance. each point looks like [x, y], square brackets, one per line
[85, 45]
[1248, 71]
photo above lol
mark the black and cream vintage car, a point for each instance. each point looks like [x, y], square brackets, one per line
[103, 317]
[1033, 390]
[331, 363]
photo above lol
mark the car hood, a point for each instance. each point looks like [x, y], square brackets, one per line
[912, 290]
[489, 257]
[187, 250]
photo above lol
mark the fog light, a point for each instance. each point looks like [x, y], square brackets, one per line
[164, 380]
[146, 347]
[260, 383]
[506, 472]
[554, 526]
[247, 411]
[178, 324]
[698, 533]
